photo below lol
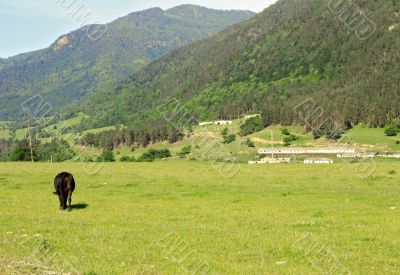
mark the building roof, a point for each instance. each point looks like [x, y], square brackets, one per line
[320, 159]
[309, 148]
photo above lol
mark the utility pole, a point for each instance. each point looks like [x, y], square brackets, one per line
[272, 142]
[30, 140]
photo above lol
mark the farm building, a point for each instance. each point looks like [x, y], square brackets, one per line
[271, 161]
[389, 155]
[306, 151]
[220, 122]
[356, 155]
[206, 123]
[251, 116]
[223, 122]
[318, 161]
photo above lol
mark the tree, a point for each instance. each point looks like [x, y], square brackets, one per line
[107, 156]
[250, 126]
[20, 154]
[229, 139]
[285, 132]
[153, 154]
[391, 131]
[287, 141]
[249, 143]
[185, 151]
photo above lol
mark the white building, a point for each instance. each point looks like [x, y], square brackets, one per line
[223, 122]
[220, 122]
[356, 155]
[271, 161]
[388, 155]
[205, 123]
[306, 151]
[251, 116]
[318, 161]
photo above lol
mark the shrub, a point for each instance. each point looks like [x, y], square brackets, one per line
[317, 134]
[107, 156]
[249, 143]
[229, 139]
[20, 154]
[251, 126]
[287, 141]
[226, 137]
[57, 151]
[285, 132]
[126, 159]
[392, 172]
[391, 131]
[185, 151]
[153, 154]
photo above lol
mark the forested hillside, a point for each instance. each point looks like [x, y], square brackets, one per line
[292, 52]
[77, 64]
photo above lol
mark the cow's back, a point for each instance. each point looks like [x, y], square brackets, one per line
[64, 181]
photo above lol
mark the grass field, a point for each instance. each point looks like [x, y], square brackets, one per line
[145, 218]
[374, 138]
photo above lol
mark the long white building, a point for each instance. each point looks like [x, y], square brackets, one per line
[219, 122]
[306, 151]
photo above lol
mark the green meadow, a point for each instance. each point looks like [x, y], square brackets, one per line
[194, 217]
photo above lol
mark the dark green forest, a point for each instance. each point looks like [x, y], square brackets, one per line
[298, 62]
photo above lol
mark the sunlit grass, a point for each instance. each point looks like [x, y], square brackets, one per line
[373, 136]
[248, 224]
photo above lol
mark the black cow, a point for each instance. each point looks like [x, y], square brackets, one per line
[64, 184]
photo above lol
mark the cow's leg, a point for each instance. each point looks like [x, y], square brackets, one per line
[69, 198]
[61, 199]
[64, 195]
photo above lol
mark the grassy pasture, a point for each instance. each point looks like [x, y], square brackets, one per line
[373, 138]
[144, 218]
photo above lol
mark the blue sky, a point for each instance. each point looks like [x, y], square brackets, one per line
[27, 25]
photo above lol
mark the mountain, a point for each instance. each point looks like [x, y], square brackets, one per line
[79, 62]
[296, 52]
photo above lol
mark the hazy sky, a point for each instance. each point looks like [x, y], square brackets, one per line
[27, 25]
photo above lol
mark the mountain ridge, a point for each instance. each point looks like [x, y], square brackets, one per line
[75, 65]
